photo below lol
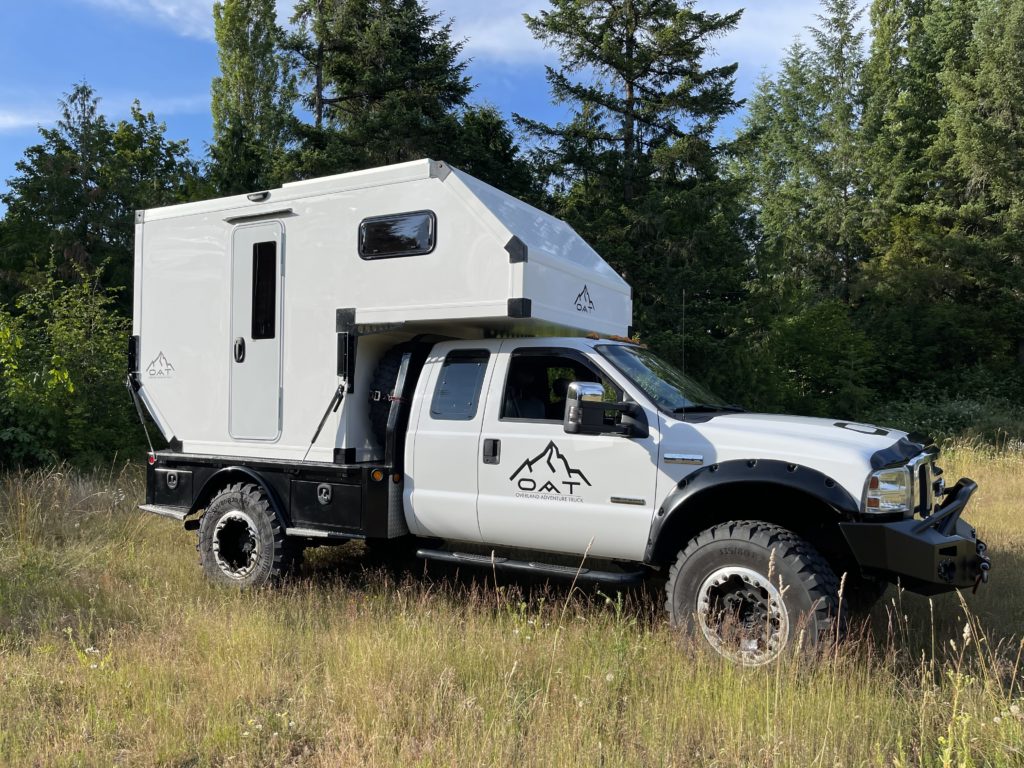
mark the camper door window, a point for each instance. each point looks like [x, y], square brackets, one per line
[403, 234]
[264, 290]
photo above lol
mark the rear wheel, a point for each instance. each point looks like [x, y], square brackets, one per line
[241, 541]
[752, 589]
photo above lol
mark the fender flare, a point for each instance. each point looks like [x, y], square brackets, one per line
[216, 481]
[742, 471]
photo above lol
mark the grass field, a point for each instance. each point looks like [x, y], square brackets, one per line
[115, 651]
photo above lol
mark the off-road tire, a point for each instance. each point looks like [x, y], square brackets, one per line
[241, 512]
[809, 594]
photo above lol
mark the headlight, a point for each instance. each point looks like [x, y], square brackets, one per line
[888, 491]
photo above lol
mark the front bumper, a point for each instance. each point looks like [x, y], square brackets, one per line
[938, 553]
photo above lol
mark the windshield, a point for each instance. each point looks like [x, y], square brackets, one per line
[667, 387]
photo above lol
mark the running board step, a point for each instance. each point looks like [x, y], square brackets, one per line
[317, 533]
[175, 513]
[616, 578]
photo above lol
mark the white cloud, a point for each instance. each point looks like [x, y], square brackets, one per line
[495, 31]
[188, 18]
[20, 119]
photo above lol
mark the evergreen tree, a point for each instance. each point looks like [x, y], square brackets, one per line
[945, 282]
[801, 155]
[384, 82]
[252, 97]
[635, 169]
[74, 196]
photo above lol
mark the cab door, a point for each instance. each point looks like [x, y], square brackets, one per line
[541, 488]
[442, 454]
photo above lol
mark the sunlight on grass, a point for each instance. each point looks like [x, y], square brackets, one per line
[114, 650]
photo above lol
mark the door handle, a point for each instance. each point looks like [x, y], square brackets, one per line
[239, 350]
[492, 451]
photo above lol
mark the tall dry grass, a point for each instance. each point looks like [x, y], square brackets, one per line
[115, 651]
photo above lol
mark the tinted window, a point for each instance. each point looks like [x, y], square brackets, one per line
[264, 290]
[538, 381]
[458, 388]
[405, 234]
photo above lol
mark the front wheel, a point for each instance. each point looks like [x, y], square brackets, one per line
[753, 589]
[241, 541]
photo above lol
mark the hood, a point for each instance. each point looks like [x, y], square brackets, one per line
[787, 433]
[845, 451]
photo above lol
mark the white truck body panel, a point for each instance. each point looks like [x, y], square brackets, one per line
[184, 316]
[591, 493]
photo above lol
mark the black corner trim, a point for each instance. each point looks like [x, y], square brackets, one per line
[520, 308]
[896, 454]
[133, 354]
[630, 330]
[518, 253]
[174, 444]
[345, 320]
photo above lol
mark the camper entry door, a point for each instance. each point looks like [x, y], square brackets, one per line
[255, 345]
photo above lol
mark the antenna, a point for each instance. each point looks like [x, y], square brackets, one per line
[682, 360]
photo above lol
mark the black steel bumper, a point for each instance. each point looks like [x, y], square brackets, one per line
[927, 555]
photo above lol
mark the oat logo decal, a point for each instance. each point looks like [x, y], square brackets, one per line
[160, 368]
[548, 476]
[583, 301]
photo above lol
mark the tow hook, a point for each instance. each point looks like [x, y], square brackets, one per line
[984, 566]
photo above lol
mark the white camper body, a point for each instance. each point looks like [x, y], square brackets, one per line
[289, 260]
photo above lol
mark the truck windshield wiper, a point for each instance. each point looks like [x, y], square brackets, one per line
[707, 407]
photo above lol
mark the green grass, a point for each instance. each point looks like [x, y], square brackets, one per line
[115, 651]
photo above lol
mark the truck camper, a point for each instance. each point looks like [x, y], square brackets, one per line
[410, 357]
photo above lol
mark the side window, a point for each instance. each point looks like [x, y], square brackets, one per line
[404, 234]
[457, 394]
[264, 290]
[538, 382]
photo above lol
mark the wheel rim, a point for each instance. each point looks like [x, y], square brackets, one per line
[236, 544]
[742, 615]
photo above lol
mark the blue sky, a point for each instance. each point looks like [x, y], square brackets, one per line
[162, 52]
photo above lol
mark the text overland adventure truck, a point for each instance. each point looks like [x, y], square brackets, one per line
[482, 404]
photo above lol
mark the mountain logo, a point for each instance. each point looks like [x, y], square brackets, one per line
[548, 473]
[583, 301]
[160, 368]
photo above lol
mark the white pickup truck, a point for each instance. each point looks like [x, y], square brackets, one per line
[484, 408]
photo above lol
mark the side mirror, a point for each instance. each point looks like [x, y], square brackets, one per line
[585, 409]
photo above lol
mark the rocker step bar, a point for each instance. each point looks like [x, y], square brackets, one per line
[175, 513]
[615, 578]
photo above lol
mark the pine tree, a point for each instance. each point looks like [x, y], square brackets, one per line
[252, 97]
[633, 70]
[74, 195]
[635, 168]
[383, 80]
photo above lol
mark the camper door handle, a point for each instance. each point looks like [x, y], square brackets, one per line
[239, 350]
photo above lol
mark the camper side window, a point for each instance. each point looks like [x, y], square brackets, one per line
[264, 290]
[458, 388]
[404, 234]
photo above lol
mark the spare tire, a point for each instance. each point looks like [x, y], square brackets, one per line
[385, 376]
